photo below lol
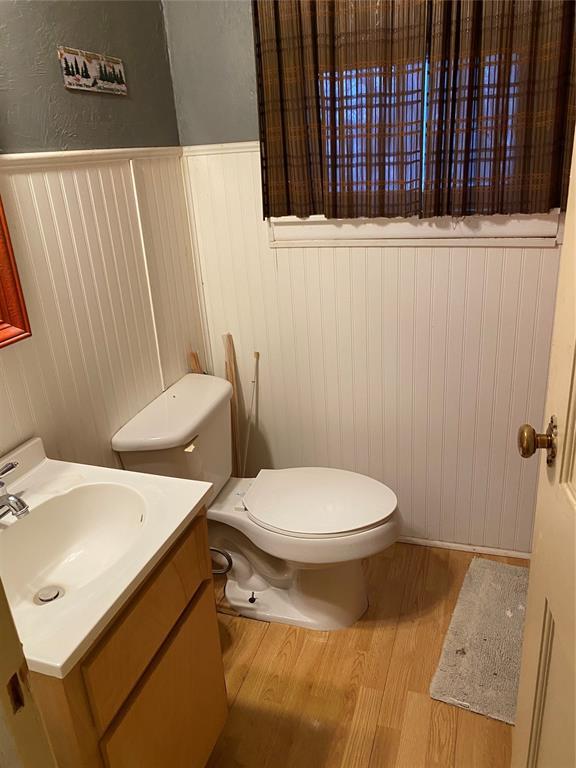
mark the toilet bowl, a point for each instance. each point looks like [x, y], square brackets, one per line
[296, 537]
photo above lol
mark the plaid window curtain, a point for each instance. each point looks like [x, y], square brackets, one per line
[384, 108]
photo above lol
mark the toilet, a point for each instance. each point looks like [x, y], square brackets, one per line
[292, 539]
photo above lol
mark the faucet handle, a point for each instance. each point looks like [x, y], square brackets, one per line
[8, 468]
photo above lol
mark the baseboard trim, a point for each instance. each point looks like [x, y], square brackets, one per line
[32, 161]
[465, 547]
[232, 147]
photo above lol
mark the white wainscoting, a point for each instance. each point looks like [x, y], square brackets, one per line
[80, 241]
[170, 259]
[414, 365]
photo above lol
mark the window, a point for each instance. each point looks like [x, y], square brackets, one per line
[353, 105]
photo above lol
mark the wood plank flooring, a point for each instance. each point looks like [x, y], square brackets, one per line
[357, 698]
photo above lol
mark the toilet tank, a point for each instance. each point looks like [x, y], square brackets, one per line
[184, 432]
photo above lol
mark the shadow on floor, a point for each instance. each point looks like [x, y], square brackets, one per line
[406, 580]
[226, 638]
[267, 735]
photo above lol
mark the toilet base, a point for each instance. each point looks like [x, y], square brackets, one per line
[326, 598]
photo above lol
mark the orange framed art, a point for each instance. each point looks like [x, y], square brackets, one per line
[14, 323]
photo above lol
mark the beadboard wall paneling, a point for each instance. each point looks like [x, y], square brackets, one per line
[80, 239]
[414, 365]
[169, 255]
[92, 360]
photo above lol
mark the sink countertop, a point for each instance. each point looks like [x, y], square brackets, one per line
[57, 634]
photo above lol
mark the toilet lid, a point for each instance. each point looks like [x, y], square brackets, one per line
[317, 501]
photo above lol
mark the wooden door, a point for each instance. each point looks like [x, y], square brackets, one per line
[545, 723]
[23, 741]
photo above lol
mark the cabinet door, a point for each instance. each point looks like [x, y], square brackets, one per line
[175, 715]
[114, 666]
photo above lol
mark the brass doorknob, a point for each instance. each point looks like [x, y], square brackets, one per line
[529, 441]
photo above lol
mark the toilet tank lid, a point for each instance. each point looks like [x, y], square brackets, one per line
[175, 417]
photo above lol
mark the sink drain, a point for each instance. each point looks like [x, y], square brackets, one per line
[48, 594]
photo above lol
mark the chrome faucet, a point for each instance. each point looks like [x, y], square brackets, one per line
[9, 502]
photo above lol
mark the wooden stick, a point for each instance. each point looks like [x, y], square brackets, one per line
[230, 366]
[194, 363]
[250, 412]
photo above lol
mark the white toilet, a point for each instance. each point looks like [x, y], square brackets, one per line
[295, 537]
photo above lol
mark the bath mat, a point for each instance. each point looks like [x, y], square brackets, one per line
[480, 663]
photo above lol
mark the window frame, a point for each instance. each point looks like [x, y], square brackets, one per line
[543, 230]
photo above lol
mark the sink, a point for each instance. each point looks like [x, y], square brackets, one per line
[70, 539]
[92, 536]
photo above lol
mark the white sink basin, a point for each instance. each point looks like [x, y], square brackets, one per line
[94, 533]
[70, 539]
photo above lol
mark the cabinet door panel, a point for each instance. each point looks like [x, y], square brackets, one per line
[176, 713]
[112, 670]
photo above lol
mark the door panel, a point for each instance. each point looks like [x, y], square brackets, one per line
[544, 732]
[23, 741]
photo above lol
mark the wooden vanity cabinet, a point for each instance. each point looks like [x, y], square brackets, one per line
[171, 720]
[150, 693]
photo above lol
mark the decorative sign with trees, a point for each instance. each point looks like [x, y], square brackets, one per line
[92, 71]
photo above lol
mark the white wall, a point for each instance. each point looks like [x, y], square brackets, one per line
[170, 259]
[81, 225]
[414, 365]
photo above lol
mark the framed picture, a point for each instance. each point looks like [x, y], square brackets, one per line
[87, 71]
[14, 324]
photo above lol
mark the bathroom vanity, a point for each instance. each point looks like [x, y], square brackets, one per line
[125, 665]
[151, 690]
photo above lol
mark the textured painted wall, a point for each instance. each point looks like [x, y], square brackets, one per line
[37, 113]
[212, 57]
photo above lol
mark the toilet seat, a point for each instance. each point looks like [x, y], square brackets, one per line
[229, 509]
[317, 502]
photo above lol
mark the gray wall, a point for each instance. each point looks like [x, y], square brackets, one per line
[36, 111]
[212, 57]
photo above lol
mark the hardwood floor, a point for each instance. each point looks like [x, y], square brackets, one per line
[357, 698]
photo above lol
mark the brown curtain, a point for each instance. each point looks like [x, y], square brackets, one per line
[500, 125]
[341, 106]
[388, 108]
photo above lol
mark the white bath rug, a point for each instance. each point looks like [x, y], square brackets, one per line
[480, 663]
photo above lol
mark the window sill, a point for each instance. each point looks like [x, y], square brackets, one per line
[540, 231]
